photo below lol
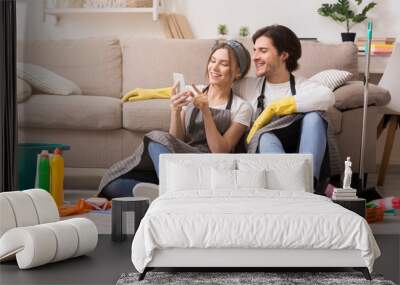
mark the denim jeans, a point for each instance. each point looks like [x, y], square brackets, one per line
[155, 149]
[122, 186]
[312, 140]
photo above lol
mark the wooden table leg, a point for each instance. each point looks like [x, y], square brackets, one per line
[381, 127]
[392, 126]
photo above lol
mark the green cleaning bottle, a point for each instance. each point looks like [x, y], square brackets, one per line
[44, 171]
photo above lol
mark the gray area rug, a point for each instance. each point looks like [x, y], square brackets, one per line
[243, 278]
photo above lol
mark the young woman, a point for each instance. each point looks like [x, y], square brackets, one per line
[211, 120]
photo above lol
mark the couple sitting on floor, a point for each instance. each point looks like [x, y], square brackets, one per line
[284, 116]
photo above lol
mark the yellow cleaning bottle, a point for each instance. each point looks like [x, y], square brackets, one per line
[57, 177]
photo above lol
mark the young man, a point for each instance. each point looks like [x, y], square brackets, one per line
[286, 117]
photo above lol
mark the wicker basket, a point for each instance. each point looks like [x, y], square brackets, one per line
[139, 3]
[375, 215]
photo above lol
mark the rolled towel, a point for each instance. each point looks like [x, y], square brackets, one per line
[87, 235]
[32, 246]
[7, 220]
[23, 208]
[46, 208]
[40, 244]
[26, 208]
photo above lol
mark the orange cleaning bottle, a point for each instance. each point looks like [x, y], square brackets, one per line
[57, 177]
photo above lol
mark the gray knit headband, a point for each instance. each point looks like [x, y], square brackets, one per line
[242, 55]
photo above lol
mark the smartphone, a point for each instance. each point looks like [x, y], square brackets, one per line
[178, 77]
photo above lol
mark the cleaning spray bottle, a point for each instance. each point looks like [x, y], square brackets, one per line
[44, 171]
[57, 177]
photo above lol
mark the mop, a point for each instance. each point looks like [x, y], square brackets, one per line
[362, 192]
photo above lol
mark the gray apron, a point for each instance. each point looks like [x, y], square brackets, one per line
[195, 142]
[332, 164]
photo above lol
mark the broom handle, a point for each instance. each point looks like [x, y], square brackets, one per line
[365, 106]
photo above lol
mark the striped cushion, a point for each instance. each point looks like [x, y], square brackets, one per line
[332, 78]
[45, 80]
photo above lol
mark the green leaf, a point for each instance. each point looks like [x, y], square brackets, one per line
[222, 29]
[326, 10]
[342, 7]
[363, 15]
[243, 31]
[341, 11]
[367, 8]
[359, 18]
[338, 18]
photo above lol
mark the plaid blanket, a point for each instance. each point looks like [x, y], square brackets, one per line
[334, 155]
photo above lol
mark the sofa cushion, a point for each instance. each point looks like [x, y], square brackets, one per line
[150, 63]
[78, 112]
[24, 90]
[147, 115]
[335, 119]
[317, 57]
[94, 64]
[351, 95]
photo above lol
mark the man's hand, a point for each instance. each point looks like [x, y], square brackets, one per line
[200, 100]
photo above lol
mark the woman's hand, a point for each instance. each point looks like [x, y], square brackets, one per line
[177, 101]
[200, 100]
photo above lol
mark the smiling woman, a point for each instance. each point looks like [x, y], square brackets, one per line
[8, 181]
[211, 120]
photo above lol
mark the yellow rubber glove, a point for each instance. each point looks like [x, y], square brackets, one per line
[284, 106]
[139, 94]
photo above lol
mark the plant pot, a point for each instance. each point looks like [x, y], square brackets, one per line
[348, 37]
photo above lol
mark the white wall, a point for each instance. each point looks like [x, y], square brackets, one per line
[31, 26]
[204, 17]
[299, 15]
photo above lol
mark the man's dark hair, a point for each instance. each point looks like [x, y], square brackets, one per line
[284, 40]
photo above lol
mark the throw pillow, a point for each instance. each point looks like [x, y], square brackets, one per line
[185, 175]
[351, 95]
[293, 178]
[285, 173]
[46, 81]
[251, 178]
[225, 179]
[331, 78]
[24, 90]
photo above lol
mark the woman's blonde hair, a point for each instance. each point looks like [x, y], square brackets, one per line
[234, 58]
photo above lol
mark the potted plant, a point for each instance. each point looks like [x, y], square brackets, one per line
[222, 31]
[342, 12]
[243, 31]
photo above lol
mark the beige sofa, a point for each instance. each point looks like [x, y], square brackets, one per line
[102, 130]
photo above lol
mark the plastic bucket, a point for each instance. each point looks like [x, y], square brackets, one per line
[27, 158]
